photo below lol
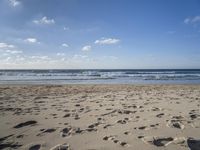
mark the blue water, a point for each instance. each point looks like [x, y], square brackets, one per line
[96, 76]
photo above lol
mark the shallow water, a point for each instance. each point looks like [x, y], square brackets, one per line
[111, 76]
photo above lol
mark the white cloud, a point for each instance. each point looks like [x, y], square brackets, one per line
[60, 54]
[76, 61]
[76, 56]
[65, 45]
[8, 50]
[40, 57]
[31, 40]
[44, 20]
[5, 45]
[107, 41]
[192, 20]
[12, 58]
[86, 48]
[14, 3]
[13, 51]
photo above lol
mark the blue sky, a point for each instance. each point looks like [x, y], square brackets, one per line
[74, 34]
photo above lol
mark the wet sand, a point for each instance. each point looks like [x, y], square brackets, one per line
[100, 117]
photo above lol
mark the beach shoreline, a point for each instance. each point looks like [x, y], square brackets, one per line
[100, 116]
[100, 76]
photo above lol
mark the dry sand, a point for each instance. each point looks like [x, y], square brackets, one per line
[100, 117]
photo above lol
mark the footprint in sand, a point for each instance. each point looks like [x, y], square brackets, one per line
[66, 132]
[35, 147]
[175, 124]
[111, 137]
[126, 132]
[44, 131]
[7, 144]
[114, 140]
[141, 128]
[6, 137]
[157, 141]
[76, 117]
[123, 121]
[92, 126]
[152, 126]
[61, 147]
[126, 112]
[156, 109]
[160, 115]
[71, 131]
[108, 125]
[77, 105]
[194, 114]
[20, 136]
[162, 141]
[27, 123]
[67, 115]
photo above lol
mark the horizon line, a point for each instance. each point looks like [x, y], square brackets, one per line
[111, 69]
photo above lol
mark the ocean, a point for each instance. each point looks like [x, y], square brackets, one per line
[101, 76]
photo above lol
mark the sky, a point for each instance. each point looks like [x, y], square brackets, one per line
[99, 34]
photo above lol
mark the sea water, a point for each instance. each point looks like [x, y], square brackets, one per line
[101, 76]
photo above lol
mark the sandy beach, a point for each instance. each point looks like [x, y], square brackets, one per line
[100, 117]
